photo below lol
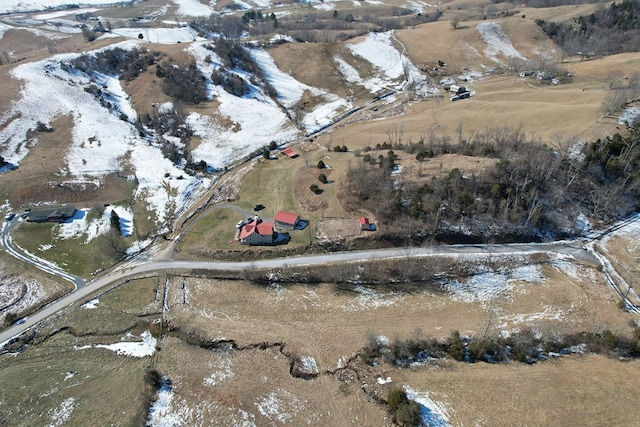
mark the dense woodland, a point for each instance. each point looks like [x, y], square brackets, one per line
[606, 31]
[533, 191]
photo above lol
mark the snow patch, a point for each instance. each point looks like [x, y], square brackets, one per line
[368, 298]
[497, 41]
[484, 287]
[434, 414]
[629, 117]
[144, 348]
[91, 304]
[279, 406]
[222, 372]
[384, 381]
[61, 415]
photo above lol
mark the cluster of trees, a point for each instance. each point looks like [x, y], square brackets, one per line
[234, 55]
[533, 191]
[606, 31]
[525, 346]
[551, 3]
[256, 16]
[127, 64]
[621, 94]
[405, 412]
[313, 27]
[183, 82]
[230, 82]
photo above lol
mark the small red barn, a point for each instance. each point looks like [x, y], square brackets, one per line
[290, 153]
[287, 220]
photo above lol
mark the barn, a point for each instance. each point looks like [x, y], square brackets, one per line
[287, 220]
[52, 213]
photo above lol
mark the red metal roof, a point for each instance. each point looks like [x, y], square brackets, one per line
[262, 228]
[289, 152]
[364, 220]
[287, 217]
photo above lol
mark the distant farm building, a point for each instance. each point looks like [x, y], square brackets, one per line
[365, 225]
[287, 220]
[257, 232]
[52, 213]
[290, 153]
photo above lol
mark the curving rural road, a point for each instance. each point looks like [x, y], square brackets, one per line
[571, 248]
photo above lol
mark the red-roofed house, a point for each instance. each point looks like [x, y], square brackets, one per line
[286, 220]
[257, 233]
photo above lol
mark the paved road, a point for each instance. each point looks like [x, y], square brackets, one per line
[567, 248]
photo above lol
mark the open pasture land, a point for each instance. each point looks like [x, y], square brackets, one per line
[240, 340]
[258, 330]
[544, 113]
[88, 364]
[576, 390]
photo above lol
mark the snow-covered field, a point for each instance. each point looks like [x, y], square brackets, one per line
[103, 136]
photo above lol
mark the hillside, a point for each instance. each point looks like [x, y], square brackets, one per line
[163, 123]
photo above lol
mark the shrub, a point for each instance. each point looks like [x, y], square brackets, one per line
[322, 178]
[406, 412]
[321, 165]
[315, 189]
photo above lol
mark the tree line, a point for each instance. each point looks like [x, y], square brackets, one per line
[604, 32]
[526, 346]
[314, 27]
[532, 192]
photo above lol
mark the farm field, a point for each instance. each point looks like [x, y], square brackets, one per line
[167, 129]
[240, 340]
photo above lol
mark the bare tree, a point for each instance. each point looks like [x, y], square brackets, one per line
[613, 77]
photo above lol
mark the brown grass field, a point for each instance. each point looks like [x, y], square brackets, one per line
[329, 323]
[272, 324]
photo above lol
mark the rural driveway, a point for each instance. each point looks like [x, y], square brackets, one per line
[7, 243]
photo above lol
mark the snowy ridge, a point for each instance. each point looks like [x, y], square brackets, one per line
[100, 137]
[290, 91]
[256, 120]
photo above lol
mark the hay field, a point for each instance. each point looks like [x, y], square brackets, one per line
[271, 325]
[329, 323]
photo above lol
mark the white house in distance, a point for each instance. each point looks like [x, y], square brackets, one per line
[257, 232]
[286, 220]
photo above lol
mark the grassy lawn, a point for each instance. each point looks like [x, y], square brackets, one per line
[269, 183]
[214, 230]
[138, 296]
[73, 255]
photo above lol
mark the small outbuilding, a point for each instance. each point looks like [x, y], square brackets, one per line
[53, 213]
[365, 225]
[287, 220]
[290, 153]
